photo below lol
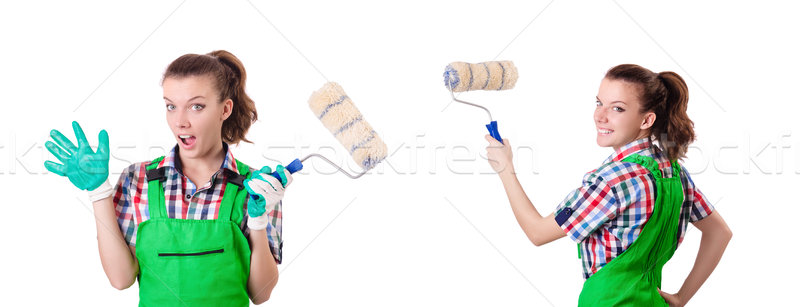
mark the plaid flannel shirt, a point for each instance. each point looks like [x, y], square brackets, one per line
[615, 201]
[183, 200]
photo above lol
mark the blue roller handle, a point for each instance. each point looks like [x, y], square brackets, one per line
[492, 127]
[293, 167]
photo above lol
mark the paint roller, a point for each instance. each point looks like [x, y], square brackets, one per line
[495, 75]
[337, 112]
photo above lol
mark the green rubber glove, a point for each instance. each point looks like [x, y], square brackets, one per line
[257, 207]
[283, 173]
[85, 168]
[266, 192]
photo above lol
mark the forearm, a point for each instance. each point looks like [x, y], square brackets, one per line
[263, 268]
[712, 246]
[119, 264]
[525, 212]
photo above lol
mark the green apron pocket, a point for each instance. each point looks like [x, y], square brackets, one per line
[200, 253]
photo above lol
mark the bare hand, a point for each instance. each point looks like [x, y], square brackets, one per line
[672, 299]
[499, 155]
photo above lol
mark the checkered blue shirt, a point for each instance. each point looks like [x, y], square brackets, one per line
[615, 201]
[183, 199]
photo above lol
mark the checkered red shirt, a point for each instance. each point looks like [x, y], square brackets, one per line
[183, 200]
[615, 201]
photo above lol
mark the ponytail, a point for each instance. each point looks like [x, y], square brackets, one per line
[676, 131]
[666, 95]
[229, 77]
[244, 109]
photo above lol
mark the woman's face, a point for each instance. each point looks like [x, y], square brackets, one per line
[195, 114]
[617, 115]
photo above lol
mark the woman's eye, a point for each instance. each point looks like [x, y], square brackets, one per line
[618, 109]
[197, 107]
[598, 103]
[170, 107]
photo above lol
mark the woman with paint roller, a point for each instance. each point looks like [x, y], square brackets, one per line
[631, 213]
[196, 227]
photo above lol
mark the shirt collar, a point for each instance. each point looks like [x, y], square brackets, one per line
[629, 149]
[171, 159]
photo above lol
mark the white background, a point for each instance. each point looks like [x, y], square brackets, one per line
[431, 225]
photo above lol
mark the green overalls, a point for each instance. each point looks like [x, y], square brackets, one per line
[633, 277]
[193, 262]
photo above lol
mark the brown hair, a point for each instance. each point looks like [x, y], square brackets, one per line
[666, 95]
[229, 76]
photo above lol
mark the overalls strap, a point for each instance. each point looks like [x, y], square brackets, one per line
[232, 195]
[155, 190]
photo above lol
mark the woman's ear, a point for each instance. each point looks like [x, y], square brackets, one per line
[649, 120]
[227, 108]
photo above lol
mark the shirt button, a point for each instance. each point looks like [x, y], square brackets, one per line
[188, 197]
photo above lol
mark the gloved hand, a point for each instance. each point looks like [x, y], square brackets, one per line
[86, 169]
[265, 192]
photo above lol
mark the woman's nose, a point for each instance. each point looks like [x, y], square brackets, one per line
[181, 120]
[600, 115]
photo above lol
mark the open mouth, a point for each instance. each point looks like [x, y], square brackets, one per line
[604, 131]
[187, 140]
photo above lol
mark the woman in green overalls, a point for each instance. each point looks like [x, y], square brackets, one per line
[630, 214]
[196, 227]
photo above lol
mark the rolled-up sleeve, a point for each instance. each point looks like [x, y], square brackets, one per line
[701, 206]
[587, 208]
[274, 229]
[125, 208]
